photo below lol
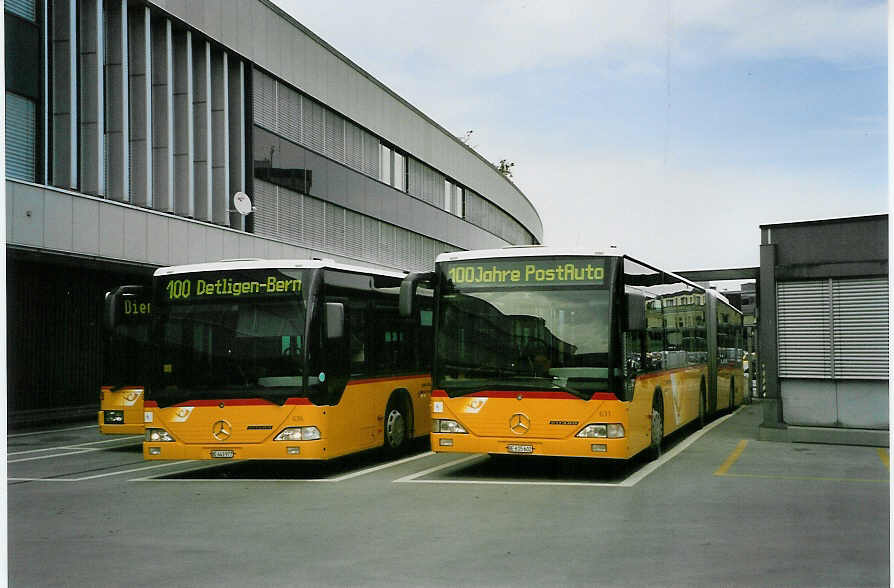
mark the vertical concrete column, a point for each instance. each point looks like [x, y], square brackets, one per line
[201, 100]
[92, 96]
[220, 132]
[237, 151]
[162, 116]
[64, 74]
[184, 194]
[117, 124]
[140, 69]
[769, 352]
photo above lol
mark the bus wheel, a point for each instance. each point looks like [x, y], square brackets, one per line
[396, 428]
[657, 428]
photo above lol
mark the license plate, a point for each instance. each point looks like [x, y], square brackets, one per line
[520, 448]
[222, 453]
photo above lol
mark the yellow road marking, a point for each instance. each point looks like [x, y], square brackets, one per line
[885, 459]
[721, 471]
[773, 477]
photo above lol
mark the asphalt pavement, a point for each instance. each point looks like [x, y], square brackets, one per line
[719, 507]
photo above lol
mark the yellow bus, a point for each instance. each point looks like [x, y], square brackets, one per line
[573, 353]
[126, 362]
[284, 359]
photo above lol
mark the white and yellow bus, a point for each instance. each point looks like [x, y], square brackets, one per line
[126, 362]
[304, 360]
[573, 353]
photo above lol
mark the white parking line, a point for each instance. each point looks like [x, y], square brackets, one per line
[342, 478]
[628, 482]
[106, 475]
[79, 445]
[53, 431]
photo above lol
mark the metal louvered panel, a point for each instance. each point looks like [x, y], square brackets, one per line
[288, 113]
[370, 238]
[21, 137]
[370, 154]
[354, 234]
[313, 225]
[264, 96]
[353, 146]
[414, 177]
[335, 228]
[290, 215]
[312, 129]
[860, 328]
[267, 210]
[402, 249]
[386, 244]
[804, 329]
[335, 136]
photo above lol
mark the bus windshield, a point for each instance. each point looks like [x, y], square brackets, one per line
[224, 345]
[518, 339]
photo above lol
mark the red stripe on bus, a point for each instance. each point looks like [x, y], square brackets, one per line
[558, 394]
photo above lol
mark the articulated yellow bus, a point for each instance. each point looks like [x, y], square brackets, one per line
[573, 353]
[284, 359]
[127, 361]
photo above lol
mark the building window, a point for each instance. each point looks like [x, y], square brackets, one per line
[385, 164]
[21, 137]
[400, 172]
[448, 195]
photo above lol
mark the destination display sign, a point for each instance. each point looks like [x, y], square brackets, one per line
[230, 285]
[551, 271]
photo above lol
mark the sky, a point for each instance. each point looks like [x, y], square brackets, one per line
[671, 129]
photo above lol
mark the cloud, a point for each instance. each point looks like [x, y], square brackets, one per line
[471, 38]
[680, 218]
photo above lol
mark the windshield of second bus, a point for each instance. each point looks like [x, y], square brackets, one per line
[226, 344]
[547, 334]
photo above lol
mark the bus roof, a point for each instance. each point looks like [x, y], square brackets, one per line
[243, 264]
[528, 251]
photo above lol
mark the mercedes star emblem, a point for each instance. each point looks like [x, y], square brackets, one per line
[221, 430]
[519, 423]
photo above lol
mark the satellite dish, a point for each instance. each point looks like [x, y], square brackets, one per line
[242, 203]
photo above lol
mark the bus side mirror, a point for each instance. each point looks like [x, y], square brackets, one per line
[636, 311]
[335, 320]
[130, 300]
[408, 291]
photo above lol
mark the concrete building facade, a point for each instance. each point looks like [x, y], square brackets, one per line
[133, 125]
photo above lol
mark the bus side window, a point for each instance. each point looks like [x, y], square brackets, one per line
[357, 321]
[391, 342]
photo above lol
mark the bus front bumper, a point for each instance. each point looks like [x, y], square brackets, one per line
[122, 428]
[299, 450]
[598, 447]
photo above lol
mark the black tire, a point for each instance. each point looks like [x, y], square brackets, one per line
[397, 428]
[656, 428]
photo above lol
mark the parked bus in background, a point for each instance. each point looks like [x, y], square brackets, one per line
[284, 359]
[126, 362]
[573, 353]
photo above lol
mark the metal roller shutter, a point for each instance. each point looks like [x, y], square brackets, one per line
[804, 329]
[860, 328]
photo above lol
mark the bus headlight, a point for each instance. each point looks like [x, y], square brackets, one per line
[610, 431]
[113, 417]
[158, 435]
[298, 434]
[446, 426]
